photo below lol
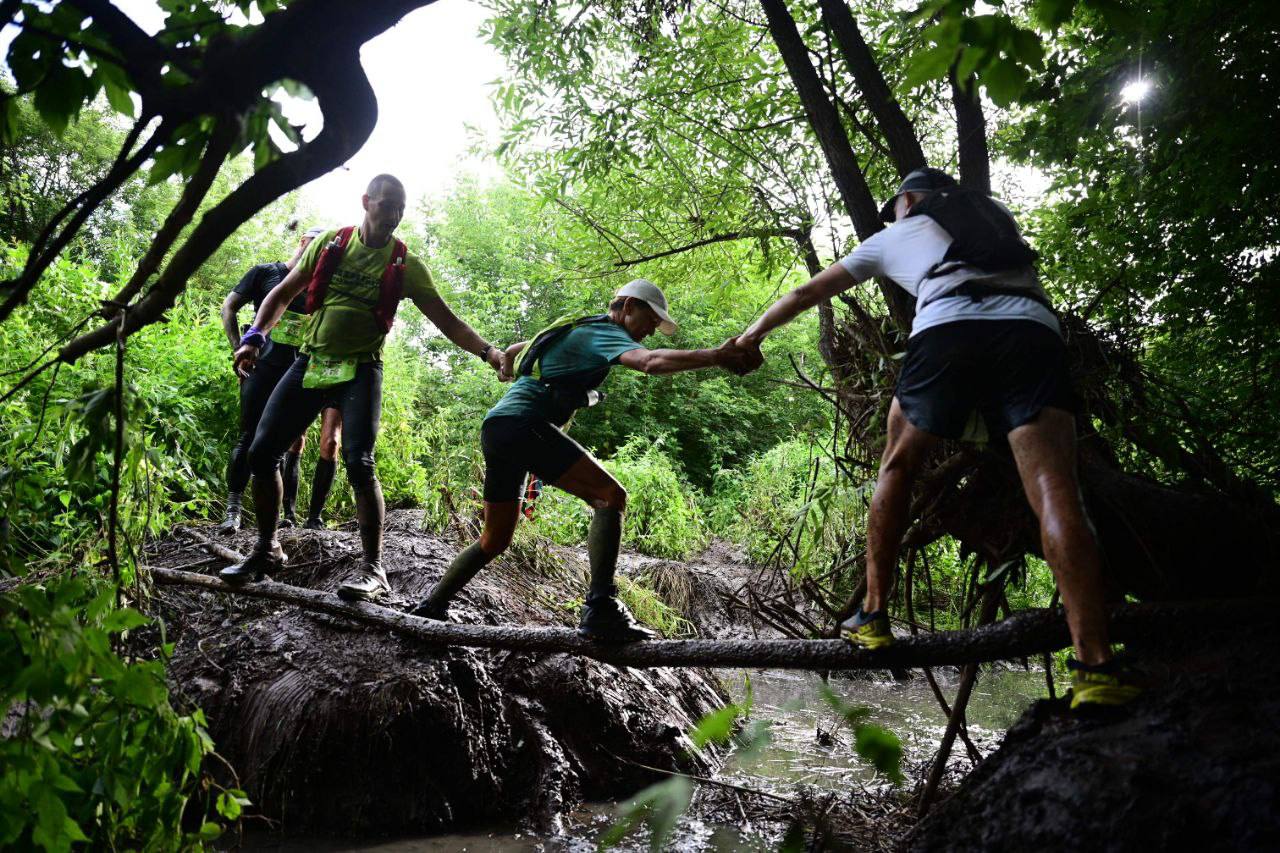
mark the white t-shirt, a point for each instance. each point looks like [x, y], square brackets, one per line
[908, 249]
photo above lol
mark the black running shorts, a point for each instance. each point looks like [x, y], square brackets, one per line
[514, 446]
[1006, 370]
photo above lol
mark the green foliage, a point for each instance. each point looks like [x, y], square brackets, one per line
[878, 746]
[791, 506]
[648, 606]
[661, 805]
[93, 751]
[1000, 51]
[663, 516]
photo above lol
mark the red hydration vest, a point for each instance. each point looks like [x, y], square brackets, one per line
[390, 291]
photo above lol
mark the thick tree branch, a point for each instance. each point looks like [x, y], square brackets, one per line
[193, 193]
[1021, 635]
[825, 122]
[900, 136]
[350, 111]
[971, 137]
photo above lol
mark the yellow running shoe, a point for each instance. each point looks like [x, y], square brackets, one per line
[868, 630]
[1104, 685]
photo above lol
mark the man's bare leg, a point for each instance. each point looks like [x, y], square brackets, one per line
[905, 452]
[1045, 451]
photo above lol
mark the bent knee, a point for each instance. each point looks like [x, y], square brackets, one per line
[613, 496]
[494, 543]
[329, 449]
[360, 469]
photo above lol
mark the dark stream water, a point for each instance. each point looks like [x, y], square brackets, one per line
[796, 755]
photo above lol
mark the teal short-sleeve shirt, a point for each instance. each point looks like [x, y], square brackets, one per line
[588, 347]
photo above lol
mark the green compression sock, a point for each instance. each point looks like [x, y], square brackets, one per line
[603, 541]
[463, 568]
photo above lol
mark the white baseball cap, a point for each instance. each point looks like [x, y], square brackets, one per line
[651, 295]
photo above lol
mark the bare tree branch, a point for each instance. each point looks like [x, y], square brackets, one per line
[755, 234]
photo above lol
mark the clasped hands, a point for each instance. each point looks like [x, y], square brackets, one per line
[739, 356]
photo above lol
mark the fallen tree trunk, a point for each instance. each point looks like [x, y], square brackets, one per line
[1022, 635]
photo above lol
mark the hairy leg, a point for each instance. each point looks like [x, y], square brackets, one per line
[1045, 451]
[905, 452]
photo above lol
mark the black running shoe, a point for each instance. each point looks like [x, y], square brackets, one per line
[607, 620]
[368, 583]
[314, 524]
[262, 562]
[288, 520]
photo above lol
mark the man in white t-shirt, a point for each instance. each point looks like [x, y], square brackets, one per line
[983, 341]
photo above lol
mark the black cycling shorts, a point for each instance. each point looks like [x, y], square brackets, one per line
[1005, 370]
[513, 446]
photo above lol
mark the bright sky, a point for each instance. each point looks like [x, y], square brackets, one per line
[431, 74]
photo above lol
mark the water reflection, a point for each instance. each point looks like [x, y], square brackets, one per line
[809, 746]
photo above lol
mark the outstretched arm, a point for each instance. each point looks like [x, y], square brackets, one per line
[458, 331]
[826, 284]
[658, 362]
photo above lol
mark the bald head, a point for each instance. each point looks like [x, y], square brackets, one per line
[383, 181]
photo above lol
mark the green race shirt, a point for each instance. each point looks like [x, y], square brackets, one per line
[587, 347]
[344, 325]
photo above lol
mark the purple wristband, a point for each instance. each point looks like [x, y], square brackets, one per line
[254, 338]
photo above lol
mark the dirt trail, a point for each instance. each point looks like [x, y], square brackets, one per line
[339, 729]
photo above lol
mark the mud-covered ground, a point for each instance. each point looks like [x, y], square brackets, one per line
[339, 730]
[1192, 764]
[335, 728]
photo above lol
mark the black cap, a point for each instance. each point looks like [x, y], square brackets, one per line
[923, 180]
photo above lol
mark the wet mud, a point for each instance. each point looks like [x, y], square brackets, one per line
[337, 729]
[1193, 763]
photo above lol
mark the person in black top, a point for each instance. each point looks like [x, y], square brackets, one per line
[255, 389]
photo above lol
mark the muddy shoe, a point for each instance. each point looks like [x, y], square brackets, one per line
[607, 620]
[427, 609]
[231, 523]
[314, 524]
[868, 630]
[288, 520]
[263, 561]
[369, 582]
[1111, 683]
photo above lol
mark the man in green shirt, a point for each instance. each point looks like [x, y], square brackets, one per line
[558, 375]
[353, 278]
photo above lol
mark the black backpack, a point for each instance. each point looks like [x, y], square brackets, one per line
[983, 233]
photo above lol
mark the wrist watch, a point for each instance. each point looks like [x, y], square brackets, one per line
[484, 353]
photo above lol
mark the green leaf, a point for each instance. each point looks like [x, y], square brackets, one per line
[1052, 14]
[1005, 81]
[123, 619]
[715, 727]
[1116, 14]
[930, 64]
[660, 806]
[882, 749]
[60, 96]
[117, 86]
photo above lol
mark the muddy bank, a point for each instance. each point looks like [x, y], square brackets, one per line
[335, 728]
[1194, 762]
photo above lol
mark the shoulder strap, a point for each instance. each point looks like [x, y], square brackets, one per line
[391, 289]
[326, 266]
[529, 363]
